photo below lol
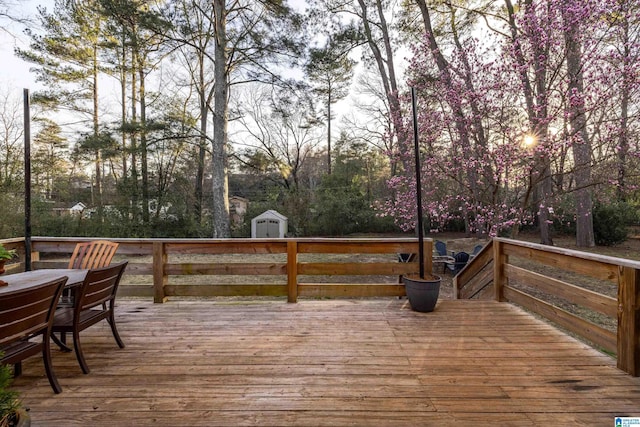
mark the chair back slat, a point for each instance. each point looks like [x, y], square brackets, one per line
[94, 254]
[441, 248]
[100, 286]
[24, 321]
[28, 311]
[99, 292]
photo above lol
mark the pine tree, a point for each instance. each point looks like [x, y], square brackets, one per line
[331, 70]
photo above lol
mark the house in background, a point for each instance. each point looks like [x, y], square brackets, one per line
[76, 210]
[237, 210]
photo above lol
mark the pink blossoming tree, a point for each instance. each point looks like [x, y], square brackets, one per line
[558, 71]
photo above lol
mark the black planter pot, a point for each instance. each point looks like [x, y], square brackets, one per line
[422, 293]
[21, 419]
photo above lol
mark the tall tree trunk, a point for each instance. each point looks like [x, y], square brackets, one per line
[459, 116]
[623, 139]
[221, 223]
[123, 101]
[386, 69]
[581, 145]
[489, 193]
[96, 132]
[535, 95]
[329, 133]
[143, 148]
[202, 141]
[134, 137]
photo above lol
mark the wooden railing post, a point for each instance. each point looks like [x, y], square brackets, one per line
[292, 271]
[499, 260]
[629, 320]
[428, 255]
[159, 276]
[35, 256]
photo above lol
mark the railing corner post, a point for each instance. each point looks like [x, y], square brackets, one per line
[499, 261]
[159, 276]
[629, 321]
[292, 271]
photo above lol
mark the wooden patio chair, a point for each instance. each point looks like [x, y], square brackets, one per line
[88, 255]
[27, 314]
[94, 254]
[94, 302]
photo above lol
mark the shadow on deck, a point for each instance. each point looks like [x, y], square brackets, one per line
[329, 362]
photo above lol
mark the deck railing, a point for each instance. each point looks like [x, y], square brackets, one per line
[554, 283]
[549, 281]
[366, 267]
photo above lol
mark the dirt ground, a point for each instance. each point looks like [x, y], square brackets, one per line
[629, 249]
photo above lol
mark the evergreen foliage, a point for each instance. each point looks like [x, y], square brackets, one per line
[9, 402]
[611, 222]
[220, 99]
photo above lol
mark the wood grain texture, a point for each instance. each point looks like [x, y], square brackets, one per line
[566, 260]
[601, 337]
[329, 362]
[629, 321]
[575, 294]
[177, 262]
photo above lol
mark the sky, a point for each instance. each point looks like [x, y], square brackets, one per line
[14, 73]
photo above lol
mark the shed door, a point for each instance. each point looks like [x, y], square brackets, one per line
[267, 228]
[273, 229]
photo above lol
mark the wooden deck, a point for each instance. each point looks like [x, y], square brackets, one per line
[330, 362]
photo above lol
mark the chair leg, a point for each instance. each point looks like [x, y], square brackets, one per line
[46, 355]
[17, 369]
[79, 354]
[60, 344]
[112, 322]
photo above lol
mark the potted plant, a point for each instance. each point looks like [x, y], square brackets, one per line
[5, 255]
[12, 414]
[422, 291]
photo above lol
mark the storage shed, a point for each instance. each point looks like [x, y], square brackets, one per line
[269, 224]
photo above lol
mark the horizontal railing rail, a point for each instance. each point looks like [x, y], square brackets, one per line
[505, 270]
[475, 280]
[560, 292]
[366, 267]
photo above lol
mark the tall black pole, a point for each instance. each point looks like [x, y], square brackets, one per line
[27, 182]
[416, 149]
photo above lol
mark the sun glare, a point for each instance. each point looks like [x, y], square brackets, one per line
[529, 140]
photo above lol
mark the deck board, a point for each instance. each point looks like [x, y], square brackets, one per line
[329, 362]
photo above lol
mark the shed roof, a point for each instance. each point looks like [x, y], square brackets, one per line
[271, 214]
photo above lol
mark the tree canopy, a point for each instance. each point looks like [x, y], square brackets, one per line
[154, 114]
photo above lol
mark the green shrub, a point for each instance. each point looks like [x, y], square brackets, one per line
[9, 402]
[610, 223]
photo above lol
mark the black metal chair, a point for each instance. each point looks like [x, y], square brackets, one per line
[460, 260]
[94, 302]
[441, 248]
[476, 250]
[441, 251]
[27, 314]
